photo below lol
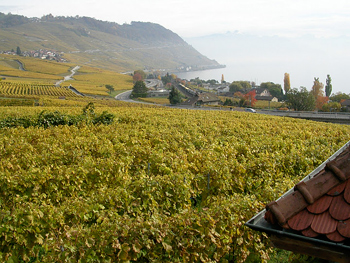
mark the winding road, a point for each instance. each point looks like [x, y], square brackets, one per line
[74, 70]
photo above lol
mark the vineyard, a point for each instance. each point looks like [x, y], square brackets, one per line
[156, 185]
[88, 80]
[34, 90]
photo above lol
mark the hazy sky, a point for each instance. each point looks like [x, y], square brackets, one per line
[190, 18]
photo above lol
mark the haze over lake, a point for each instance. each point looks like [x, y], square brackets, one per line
[264, 58]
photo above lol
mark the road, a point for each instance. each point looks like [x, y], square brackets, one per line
[339, 117]
[73, 71]
[334, 117]
[156, 83]
[20, 64]
[125, 96]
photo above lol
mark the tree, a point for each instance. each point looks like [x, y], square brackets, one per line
[339, 96]
[301, 100]
[317, 88]
[250, 97]
[18, 51]
[137, 77]
[197, 81]
[228, 102]
[328, 88]
[331, 107]
[236, 87]
[139, 89]
[321, 101]
[141, 72]
[110, 88]
[174, 96]
[173, 76]
[166, 79]
[212, 81]
[274, 89]
[286, 81]
[240, 86]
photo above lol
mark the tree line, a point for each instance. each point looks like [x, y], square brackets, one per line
[320, 96]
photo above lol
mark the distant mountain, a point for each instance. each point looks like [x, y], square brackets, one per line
[88, 41]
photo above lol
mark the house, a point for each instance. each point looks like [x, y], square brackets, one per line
[313, 218]
[223, 89]
[346, 104]
[204, 98]
[158, 93]
[264, 94]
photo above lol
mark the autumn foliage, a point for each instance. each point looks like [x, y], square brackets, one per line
[250, 98]
[321, 101]
[137, 77]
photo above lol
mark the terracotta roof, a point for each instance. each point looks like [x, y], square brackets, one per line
[318, 207]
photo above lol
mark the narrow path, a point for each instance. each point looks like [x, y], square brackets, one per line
[21, 66]
[74, 70]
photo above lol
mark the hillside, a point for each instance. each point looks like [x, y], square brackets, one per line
[88, 41]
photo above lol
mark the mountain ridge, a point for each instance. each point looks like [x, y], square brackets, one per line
[85, 40]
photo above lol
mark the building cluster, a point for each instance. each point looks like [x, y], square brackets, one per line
[223, 89]
[208, 94]
[41, 53]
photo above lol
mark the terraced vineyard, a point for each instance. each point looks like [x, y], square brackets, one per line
[33, 90]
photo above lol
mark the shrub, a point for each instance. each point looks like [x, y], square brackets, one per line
[48, 119]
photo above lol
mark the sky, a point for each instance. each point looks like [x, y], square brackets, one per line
[316, 32]
[190, 18]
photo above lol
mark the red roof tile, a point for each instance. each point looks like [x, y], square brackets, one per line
[343, 228]
[309, 233]
[324, 224]
[301, 221]
[347, 192]
[339, 209]
[337, 190]
[336, 237]
[319, 206]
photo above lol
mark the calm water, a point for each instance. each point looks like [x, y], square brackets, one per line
[266, 59]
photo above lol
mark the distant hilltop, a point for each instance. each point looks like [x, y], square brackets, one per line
[87, 41]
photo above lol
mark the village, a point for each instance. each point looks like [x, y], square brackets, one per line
[41, 53]
[209, 93]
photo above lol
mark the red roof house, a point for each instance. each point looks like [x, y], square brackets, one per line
[314, 217]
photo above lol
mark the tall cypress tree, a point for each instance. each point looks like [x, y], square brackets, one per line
[328, 89]
[18, 51]
[286, 86]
